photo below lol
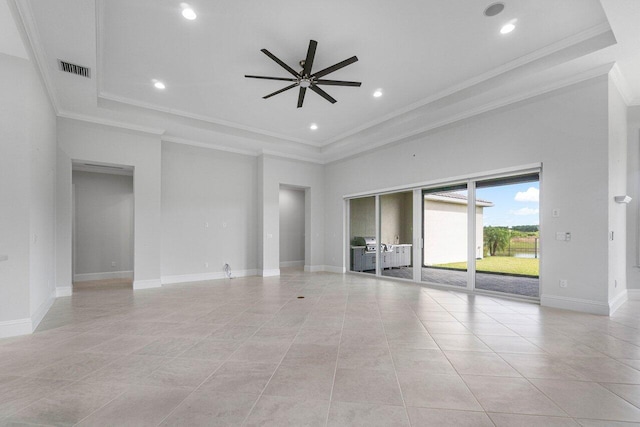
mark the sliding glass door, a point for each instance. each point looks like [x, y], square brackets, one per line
[510, 218]
[362, 234]
[480, 234]
[444, 235]
[396, 235]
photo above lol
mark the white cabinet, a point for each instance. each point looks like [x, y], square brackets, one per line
[402, 255]
[357, 258]
[361, 260]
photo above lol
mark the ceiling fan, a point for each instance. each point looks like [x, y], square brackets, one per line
[305, 78]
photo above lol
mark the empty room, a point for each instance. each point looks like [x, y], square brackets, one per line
[362, 213]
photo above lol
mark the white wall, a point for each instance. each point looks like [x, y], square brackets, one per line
[291, 227]
[27, 160]
[617, 186]
[633, 209]
[396, 218]
[445, 232]
[209, 213]
[273, 173]
[362, 217]
[41, 133]
[103, 225]
[566, 131]
[101, 144]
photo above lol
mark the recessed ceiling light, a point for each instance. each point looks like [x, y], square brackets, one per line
[313, 126]
[188, 12]
[494, 9]
[507, 28]
[377, 93]
[158, 84]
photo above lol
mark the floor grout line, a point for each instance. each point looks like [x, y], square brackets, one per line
[592, 332]
[333, 382]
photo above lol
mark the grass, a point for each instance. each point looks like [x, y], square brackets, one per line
[501, 264]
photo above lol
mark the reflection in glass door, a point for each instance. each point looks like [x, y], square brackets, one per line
[510, 260]
[444, 233]
[396, 235]
[362, 234]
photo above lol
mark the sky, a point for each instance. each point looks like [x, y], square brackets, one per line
[515, 204]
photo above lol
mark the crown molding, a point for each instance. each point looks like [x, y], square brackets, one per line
[110, 123]
[23, 17]
[621, 83]
[539, 54]
[500, 103]
[123, 100]
[217, 147]
[245, 152]
[290, 156]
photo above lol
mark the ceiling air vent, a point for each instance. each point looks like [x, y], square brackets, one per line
[79, 70]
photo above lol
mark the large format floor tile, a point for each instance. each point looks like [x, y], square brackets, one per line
[357, 350]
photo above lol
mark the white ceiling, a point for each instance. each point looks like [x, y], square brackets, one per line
[435, 61]
[10, 41]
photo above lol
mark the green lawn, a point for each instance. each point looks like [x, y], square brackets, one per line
[501, 264]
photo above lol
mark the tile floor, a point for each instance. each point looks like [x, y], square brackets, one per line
[355, 351]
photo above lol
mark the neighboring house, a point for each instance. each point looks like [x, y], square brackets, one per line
[445, 228]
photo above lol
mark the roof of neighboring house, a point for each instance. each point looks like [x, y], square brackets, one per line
[457, 198]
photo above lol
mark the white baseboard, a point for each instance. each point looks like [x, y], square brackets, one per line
[271, 272]
[146, 284]
[102, 276]
[201, 277]
[633, 294]
[327, 268]
[575, 304]
[26, 326]
[334, 269]
[286, 264]
[616, 302]
[13, 328]
[37, 317]
[64, 291]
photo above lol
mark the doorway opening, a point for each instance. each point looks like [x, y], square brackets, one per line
[102, 225]
[444, 233]
[510, 262]
[292, 226]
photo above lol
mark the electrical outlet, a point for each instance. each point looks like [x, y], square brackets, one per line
[206, 265]
[113, 263]
[555, 213]
[564, 283]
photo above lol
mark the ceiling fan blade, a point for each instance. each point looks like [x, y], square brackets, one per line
[303, 90]
[282, 64]
[323, 94]
[337, 83]
[284, 79]
[280, 91]
[311, 53]
[335, 67]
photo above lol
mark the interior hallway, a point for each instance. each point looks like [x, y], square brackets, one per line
[354, 351]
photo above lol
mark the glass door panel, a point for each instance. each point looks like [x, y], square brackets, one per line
[362, 234]
[396, 235]
[444, 233]
[508, 211]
